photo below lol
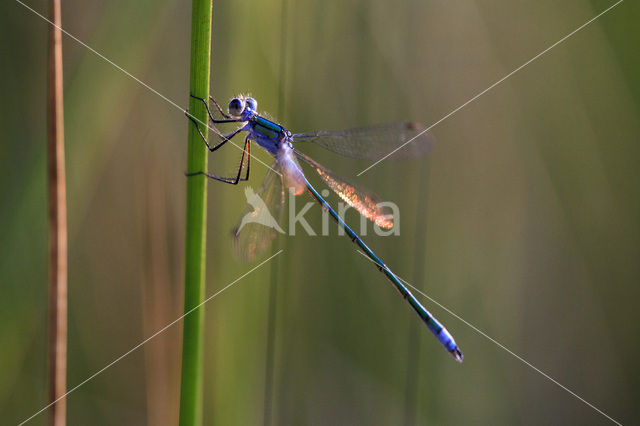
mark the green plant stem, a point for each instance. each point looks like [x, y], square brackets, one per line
[413, 344]
[273, 285]
[196, 217]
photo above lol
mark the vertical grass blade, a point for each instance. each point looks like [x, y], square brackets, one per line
[195, 250]
[413, 337]
[57, 225]
[267, 414]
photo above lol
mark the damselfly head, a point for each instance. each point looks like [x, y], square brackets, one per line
[236, 107]
[252, 104]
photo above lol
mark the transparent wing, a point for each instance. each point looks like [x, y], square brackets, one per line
[364, 201]
[374, 142]
[261, 219]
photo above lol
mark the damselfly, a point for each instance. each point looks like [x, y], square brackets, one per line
[374, 142]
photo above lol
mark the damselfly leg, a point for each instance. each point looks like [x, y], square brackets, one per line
[225, 138]
[224, 114]
[246, 153]
[227, 119]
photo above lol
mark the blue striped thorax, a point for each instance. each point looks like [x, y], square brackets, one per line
[267, 128]
[268, 134]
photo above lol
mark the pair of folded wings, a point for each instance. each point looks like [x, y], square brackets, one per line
[261, 220]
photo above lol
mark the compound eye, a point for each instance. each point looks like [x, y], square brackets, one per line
[252, 104]
[236, 106]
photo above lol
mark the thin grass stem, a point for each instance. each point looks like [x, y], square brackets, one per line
[57, 225]
[196, 218]
[273, 281]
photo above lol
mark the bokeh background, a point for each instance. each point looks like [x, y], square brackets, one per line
[523, 220]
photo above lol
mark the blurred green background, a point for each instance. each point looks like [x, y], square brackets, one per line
[523, 220]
